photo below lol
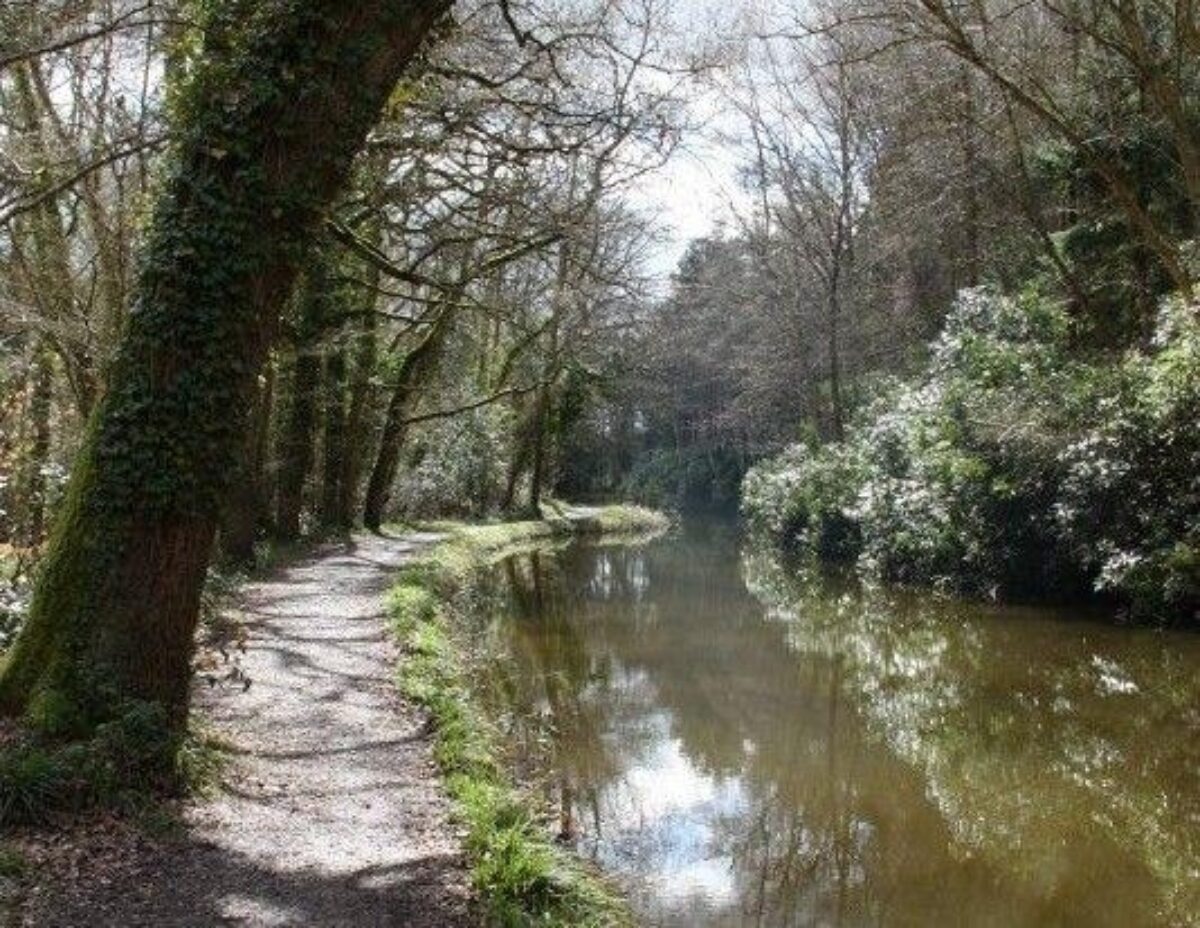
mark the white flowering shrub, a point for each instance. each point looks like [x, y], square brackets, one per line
[1012, 469]
[809, 496]
[906, 504]
[1130, 502]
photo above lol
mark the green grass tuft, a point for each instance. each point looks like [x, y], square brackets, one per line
[123, 765]
[13, 863]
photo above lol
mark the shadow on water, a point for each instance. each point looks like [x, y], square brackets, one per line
[744, 745]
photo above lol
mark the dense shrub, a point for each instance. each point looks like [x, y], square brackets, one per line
[1130, 502]
[810, 495]
[1011, 469]
[457, 467]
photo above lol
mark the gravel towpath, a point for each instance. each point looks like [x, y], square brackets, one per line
[331, 813]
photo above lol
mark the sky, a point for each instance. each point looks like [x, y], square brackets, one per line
[696, 189]
[688, 197]
[690, 193]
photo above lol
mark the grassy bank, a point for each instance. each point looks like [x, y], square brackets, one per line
[522, 875]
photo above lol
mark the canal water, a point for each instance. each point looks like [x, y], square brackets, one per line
[740, 743]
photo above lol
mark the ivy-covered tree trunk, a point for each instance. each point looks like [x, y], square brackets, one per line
[244, 508]
[332, 514]
[523, 438]
[296, 444]
[265, 136]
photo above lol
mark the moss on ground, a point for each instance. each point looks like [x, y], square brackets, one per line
[14, 869]
[523, 876]
[127, 764]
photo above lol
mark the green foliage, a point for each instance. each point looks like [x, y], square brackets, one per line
[127, 759]
[1123, 280]
[1130, 504]
[961, 468]
[685, 477]
[1012, 469]
[457, 469]
[31, 781]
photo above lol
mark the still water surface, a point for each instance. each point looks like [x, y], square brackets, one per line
[739, 744]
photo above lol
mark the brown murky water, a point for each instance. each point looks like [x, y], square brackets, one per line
[739, 745]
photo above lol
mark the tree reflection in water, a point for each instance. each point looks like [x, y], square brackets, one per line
[745, 744]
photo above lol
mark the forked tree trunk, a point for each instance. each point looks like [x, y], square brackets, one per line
[418, 365]
[265, 138]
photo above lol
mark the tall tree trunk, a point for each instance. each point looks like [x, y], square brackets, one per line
[522, 444]
[417, 366]
[545, 396]
[332, 469]
[296, 444]
[245, 501]
[537, 473]
[361, 393]
[33, 487]
[239, 518]
[265, 139]
[262, 443]
[836, 401]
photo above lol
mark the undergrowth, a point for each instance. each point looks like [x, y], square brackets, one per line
[130, 761]
[523, 876]
[122, 765]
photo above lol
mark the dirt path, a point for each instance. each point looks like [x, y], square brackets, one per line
[331, 814]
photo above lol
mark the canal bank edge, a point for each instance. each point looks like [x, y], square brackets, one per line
[520, 873]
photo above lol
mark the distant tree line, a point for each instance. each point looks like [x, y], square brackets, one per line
[895, 154]
[996, 202]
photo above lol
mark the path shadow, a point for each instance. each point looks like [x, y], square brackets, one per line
[189, 883]
[329, 816]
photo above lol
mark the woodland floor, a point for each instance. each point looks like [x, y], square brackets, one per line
[331, 812]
